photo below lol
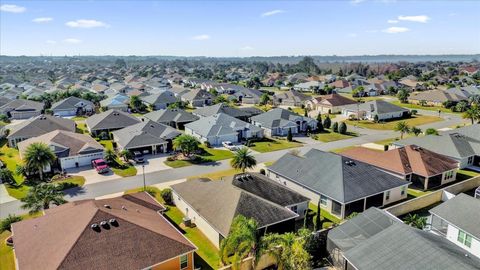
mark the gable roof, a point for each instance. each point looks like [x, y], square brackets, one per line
[336, 100]
[219, 202]
[144, 133]
[220, 108]
[462, 211]
[197, 94]
[279, 117]
[377, 106]
[171, 115]
[404, 160]
[74, 143]
[40, 125]
[219, 124]
[111, 119]
[64, 239]
[21, 105]
[118, 99]
[70, 103]
[162, 97]
[436, 96]
[335, 176]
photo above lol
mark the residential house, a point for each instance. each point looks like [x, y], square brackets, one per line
[72, 149]
[423, 168]
[342, 83]
[72, 106]
[247, 95]
[222, 127]
[117, 102]
[341, 185]
[147, 137]
[277, 122]
[127, 232]
[198, 98]
[4, 100]
[375, 239]
[310, 86]
[22, 109]
[458, 220]
[109, 121]
[241, 113]
[434, 97]
[212, 205]
[175, 118]
[332, 103]
[412, 84]
[38, 126]
[290, 98]
[462, 145]
[160, 100]
[382, 109]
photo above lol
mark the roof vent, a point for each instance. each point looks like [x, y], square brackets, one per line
[113, 221]
[103, 223]
[124, 208]
[95, 227]
[107, 206]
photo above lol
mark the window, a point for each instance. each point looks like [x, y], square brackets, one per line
[470, 160]
[183, 261]
[403, 190]
[464, 238]
[387, 195]
[323, 200]
[294, 209]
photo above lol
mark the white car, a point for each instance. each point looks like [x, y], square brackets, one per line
[229, 145]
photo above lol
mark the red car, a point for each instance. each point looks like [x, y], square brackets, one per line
[100, 165]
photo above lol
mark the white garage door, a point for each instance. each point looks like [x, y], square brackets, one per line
[84, 160]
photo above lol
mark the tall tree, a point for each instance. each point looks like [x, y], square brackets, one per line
[243, 160]
[241, 242]
[473, 113]
[264, 99]
[288, 250]
[110, 156]
[41, 196]
[187, 144]
[136, 103]
[402, 127]
[416, 221]
[38, 156]
[403, 95]
[416, 131]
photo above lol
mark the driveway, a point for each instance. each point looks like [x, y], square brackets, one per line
[153, 163]
[91, 175]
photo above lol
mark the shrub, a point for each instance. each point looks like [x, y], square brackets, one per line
[414, 112]
[431, 131]
[6, 224]
[327, 122]
[207, 144]
[262, 171]
[167, 196]
[66, 185]
[171, 158]
[289, 135]
[375, 118]
[385, 147]
[335, 127]
[6, 176]
[342, 129]
[103, 135]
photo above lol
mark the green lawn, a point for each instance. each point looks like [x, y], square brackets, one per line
[216, 175]
[11, 157]
[329, 136]
[364, 99]
[81, 128]
[79, 118]
[298, 111]
[123, 169]
[206, 250]
[327, 218]
[419, 107]
[206, 155]
[340, 150]
[108, 144]
[416, 193]
[70, 182]
[269, 163]
[466, 174]
[269, 145]
[7, 260]
[416, 120]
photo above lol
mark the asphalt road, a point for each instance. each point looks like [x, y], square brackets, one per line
[119, 185]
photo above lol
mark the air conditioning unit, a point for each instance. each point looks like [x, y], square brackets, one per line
[187, 222]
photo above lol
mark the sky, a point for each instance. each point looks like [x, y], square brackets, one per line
[239, 28]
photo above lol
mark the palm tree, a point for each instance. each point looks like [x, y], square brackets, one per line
[243, 160]
[126, 155]
[288, 249]
[136, 103]
[402, 127]
[187, 144]
[110, 156]
[38, 156]
[416, 131]
[41, 196]
[241, 242]
[264, 99]
[416, 221]
[473, 113]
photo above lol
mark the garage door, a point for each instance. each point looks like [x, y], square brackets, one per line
[84, 160]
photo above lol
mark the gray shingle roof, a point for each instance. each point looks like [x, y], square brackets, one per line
[219, 124]
[462, 211]
[144, 134]
[376, 106]
[160, 98]
[219, 202]
[40, 125]
[171, 115]
[21, 105]
[220, 108]
[335, 176]
[70, 103]
[111, 119]
[197, 94]
[278, 118]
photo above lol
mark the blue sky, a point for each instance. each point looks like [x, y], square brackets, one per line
[239, 28]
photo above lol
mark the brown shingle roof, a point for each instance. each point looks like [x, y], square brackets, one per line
[405, 160]
[336, 100]
[64, 239]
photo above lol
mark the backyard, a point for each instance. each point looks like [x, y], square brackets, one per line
[269, 145]
[420, 107]
[326, 218]
[205, 155]
[414, 121]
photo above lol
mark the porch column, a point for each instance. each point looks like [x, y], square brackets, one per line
[154, 149]
[364, 204]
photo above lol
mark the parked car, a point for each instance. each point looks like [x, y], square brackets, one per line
[100, 165]
[229, 145]
[138, 157]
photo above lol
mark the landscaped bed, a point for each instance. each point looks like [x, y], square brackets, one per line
[269, 145]
[205, 155]
[414, 121]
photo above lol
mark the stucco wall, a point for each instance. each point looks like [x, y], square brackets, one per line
[174, 264]
[452, 235]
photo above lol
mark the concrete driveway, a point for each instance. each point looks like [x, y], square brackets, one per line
[91, 175]
[153, 163]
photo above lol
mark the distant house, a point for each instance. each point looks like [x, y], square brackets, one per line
[212, 205]
[290, 98]
[22, 109]
[375, 239]
[424, 168]
[127, 232]
[72, 106]
[247, 95]
[340, 84]
[460, 144]
[310, 86]
[332, 103]
[341, 185]
[109, 121]
[222, 127]
[116, 102]
[198, 98]
[241, 113]
[434, 97]
[383, 109]
[147, 137]
[72, 149]
[159, 101]
[38, 126]
[4, 100]
[277, 122]
[176, 118]
[458, 220]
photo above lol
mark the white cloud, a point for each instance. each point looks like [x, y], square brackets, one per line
[82, 23]
[396, 30]
[392, 21]
[42, 20]
[201, 37]
[356, 2]
[418, 18]
[51, 42]
[246, 48]
[72, 41]
[12, 8]
[272, 12]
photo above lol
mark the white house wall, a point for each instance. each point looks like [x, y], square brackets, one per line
[83, 160]
[452, 235]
